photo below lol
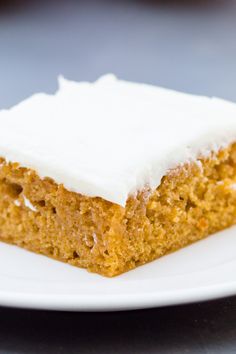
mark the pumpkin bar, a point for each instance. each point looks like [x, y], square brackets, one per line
[111, 175]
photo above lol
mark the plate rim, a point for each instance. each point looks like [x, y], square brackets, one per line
[122, 302]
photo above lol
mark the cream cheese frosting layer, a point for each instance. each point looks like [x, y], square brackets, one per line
[112, 138]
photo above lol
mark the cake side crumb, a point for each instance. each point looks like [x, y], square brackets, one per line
[192, 202]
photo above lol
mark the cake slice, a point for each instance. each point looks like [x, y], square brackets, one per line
[111, 175]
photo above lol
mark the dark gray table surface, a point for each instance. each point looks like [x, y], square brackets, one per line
[181, 45]
[207, 328]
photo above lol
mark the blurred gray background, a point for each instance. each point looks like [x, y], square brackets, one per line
[189, 46]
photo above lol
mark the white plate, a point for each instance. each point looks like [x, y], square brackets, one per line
[203, 271]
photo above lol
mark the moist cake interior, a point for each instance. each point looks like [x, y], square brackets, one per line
[192, 201]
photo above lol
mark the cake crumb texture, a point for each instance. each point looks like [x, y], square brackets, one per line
[192, 202]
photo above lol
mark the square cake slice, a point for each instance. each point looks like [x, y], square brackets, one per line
[111, 175]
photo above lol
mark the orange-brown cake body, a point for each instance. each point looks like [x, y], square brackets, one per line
[192, 202]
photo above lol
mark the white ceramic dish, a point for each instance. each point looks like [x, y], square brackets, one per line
[203, 271]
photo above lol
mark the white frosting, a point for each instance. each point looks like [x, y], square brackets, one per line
[111, 138]
[17, 202]
[28, 203]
